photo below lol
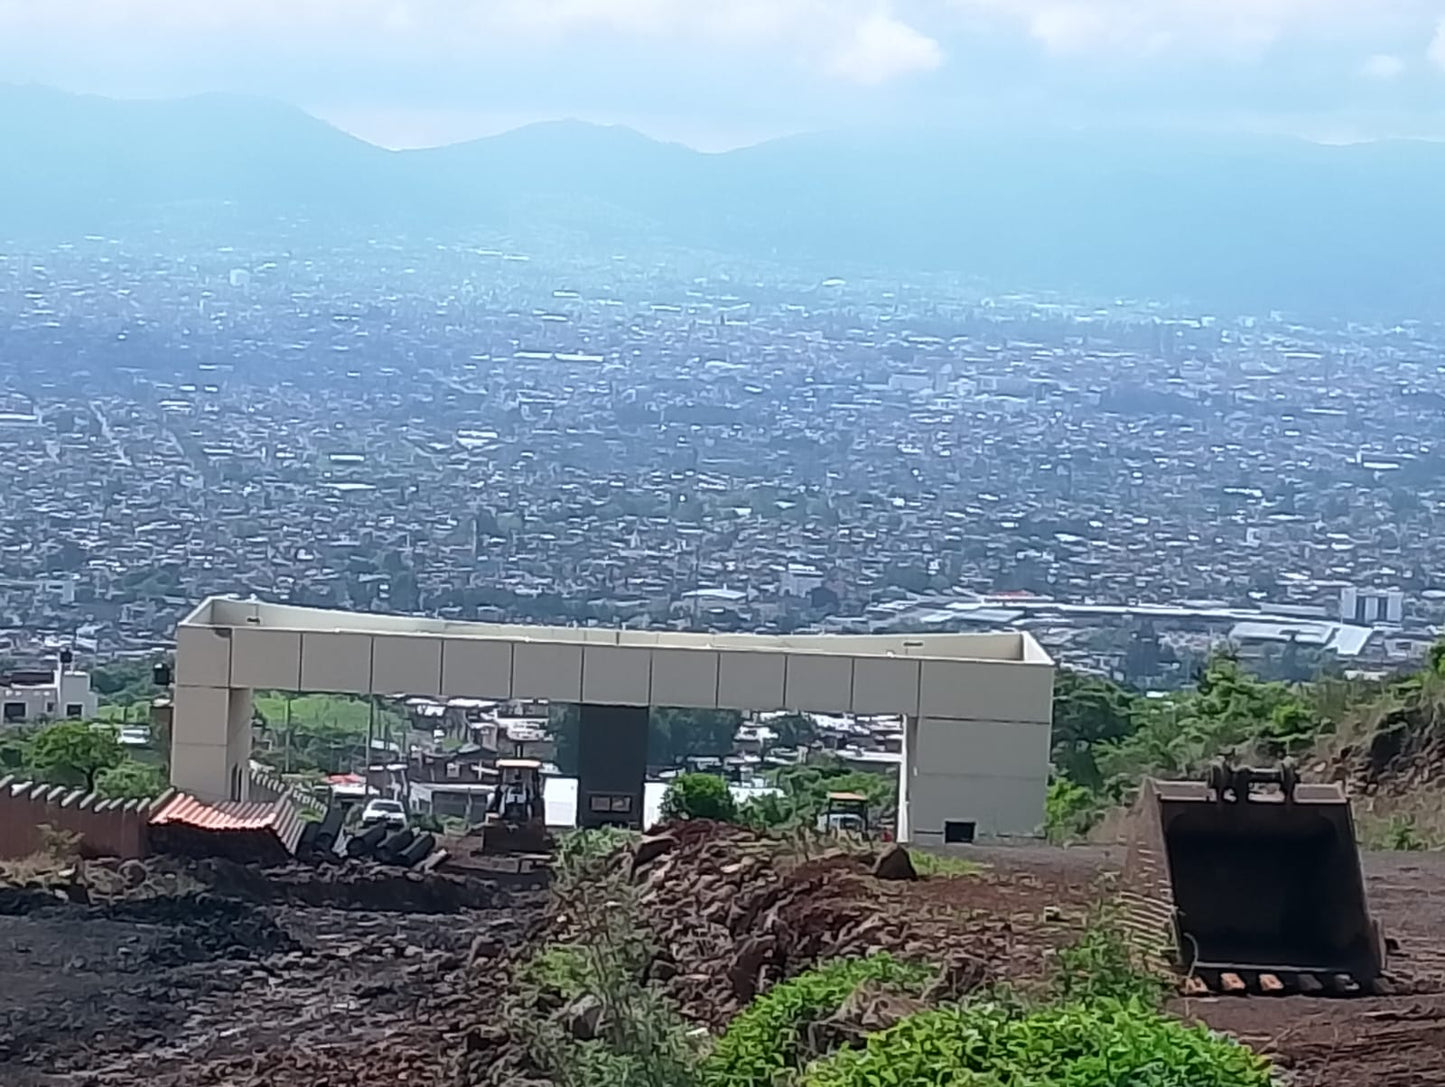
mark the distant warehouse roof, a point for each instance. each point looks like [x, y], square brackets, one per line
[1341, 638]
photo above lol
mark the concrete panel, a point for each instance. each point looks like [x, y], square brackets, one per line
[822, 684]
[473, 668]
[684, 677]
[336, 662]
[750, 681]
[985, 691]
[203, 770]
[996, 748]
[266, 659]
[540, 670]
[613, 676]
[203, 656]
[200, 715]
[406, 665]
[997, 806]
[885, 685]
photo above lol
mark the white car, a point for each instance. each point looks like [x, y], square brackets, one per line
[389, 812]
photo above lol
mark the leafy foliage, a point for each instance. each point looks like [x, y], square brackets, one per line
[74, 753]
[1103, 1043]
[1100, 964]
[699, 796]
[1070, 810]
[1089, 712]
[125, 680]
[805, 788]
[323, 732]
[676, 732]
[761, 1044]
[130, 780]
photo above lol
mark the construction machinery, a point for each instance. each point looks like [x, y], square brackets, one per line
[1255, 879]
[516, 820]
[845, 813]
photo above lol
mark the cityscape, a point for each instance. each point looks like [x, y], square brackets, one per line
[668, 441]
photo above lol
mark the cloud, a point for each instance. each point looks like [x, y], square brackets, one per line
[1383, 67]
[1436, 52]
[1238, 27]
[881, 48]
[858, 40]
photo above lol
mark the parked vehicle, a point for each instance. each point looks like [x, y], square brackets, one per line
[379, 811]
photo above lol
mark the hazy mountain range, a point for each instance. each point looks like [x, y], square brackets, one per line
[1243, 221]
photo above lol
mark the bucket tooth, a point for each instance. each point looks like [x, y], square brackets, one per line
[1270, 984]
[1343, 985]
[1310, 985]
[1232, 983]
[1195, 986]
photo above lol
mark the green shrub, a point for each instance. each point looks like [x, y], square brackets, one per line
[1070, 810]
[1100, 964]
[761, 1044]
[1104, 1043]
[699, 796]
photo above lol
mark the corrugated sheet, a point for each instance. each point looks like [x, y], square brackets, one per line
[237, 829]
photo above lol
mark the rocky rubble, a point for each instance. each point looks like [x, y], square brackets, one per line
[734, 911]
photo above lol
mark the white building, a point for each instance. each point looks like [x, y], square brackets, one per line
[977, 707]
[31, 696]
[799, 579]
[1372, 606]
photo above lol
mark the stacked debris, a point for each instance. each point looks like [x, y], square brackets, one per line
[734, 911]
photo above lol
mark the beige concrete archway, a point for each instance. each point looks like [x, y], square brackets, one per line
[977, 706]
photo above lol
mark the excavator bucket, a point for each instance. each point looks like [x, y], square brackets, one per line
[1258, 879]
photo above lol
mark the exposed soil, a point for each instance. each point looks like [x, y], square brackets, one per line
[196, 988]
[351, 976]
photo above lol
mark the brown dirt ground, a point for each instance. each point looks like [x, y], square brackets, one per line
[362, 998]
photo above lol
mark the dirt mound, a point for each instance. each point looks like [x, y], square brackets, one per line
[1393, 745]
[353, 885]
[735, 911]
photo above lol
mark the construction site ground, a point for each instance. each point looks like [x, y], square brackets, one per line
[362, 977]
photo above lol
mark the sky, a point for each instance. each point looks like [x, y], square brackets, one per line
[721, 73]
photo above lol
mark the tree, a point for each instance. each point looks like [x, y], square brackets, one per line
[130, 780]
[74, 753]
[676, 732]
[699, 796]
[1089, 711]
[793, 729]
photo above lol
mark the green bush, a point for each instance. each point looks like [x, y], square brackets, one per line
[1104, 1043]
[699, 796]
[761, 1044]
[1100, 964]
[1070, 810]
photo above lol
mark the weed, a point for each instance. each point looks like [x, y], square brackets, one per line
[639, 1040]
[1100, 964]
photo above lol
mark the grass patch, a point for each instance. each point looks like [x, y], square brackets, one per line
[932, 864]
[761, 1045]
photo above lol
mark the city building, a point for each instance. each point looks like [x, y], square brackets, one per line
[29, 696]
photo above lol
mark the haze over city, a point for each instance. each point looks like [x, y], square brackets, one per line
[722, 543]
